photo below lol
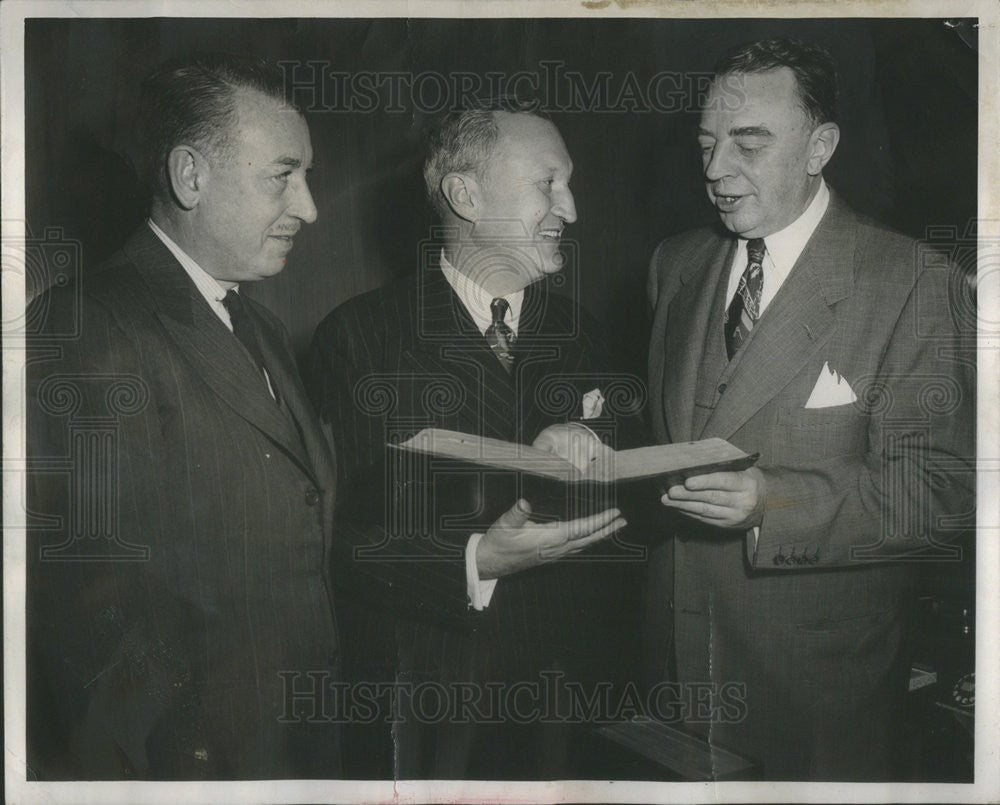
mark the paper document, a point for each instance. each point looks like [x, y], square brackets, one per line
[676, 461]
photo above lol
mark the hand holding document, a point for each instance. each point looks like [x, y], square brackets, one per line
[674, 462]
[576, 443]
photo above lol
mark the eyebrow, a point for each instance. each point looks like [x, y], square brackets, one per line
[751, 131]
[742, 131]
[290, 162]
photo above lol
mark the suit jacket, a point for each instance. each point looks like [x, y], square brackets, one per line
[182, 522]
[408, 356]
[808, 619]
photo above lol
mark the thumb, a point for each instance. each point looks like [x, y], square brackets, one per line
[516, 516]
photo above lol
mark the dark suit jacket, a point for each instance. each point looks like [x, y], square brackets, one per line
[810, 617]
[408, 356]
[181, 526]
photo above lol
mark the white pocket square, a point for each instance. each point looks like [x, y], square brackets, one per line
[830, 389]
[593, 404]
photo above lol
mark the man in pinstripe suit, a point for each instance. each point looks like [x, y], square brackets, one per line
[183, 489]
[845, 356]
[469, 590]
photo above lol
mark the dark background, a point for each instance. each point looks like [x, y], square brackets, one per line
[907, 157]
[907, 154]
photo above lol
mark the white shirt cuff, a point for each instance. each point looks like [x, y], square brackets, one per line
[480, 592]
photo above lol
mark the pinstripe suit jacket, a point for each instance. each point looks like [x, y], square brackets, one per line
[408, 356]
[809, 618]
[182, 527]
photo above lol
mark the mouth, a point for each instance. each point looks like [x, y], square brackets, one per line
[285, 240]
[726, 203]
[553, 235]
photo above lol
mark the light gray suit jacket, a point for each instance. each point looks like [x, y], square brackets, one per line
[808, 620]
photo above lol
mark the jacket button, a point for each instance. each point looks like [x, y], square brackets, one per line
[722, 388]
[312, 497]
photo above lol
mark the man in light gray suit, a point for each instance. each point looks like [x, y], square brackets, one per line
[844, 355]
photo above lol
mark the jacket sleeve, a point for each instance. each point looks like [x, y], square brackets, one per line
[108, 639]
[378, 556]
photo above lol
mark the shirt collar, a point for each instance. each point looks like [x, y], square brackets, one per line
[477, 301]
[785, 246]
[205, 283]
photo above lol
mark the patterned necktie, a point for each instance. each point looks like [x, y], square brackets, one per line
[244, 330]
[499, 336]
[744, 310]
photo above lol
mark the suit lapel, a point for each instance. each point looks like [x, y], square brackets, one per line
[543, 349]
[208, 346]
[690, 328]
[448, 337]
[797, 323]
[285, 376]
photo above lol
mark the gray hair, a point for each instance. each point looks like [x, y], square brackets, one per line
[463, 142]
[193, 100]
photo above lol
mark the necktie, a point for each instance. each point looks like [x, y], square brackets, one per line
[499, 336]
[244, 330]
[744, 310]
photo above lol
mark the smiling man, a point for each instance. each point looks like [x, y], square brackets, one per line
[806, 333]
[177, 583]
[454, 585]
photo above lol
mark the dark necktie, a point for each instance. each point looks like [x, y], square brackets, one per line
[499, 336]
[244, 330]
[744, 310]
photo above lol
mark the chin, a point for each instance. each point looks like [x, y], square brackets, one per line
[271, 268]
[739, 227]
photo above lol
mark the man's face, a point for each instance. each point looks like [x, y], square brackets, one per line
[756, 156]
[526, 200]
[255, 198]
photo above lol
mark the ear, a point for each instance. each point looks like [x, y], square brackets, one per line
[822, 144]
[461, 191]
[187, 172]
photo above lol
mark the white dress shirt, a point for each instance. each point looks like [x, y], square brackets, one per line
[476, 301]
[203, 281]
[782, 250]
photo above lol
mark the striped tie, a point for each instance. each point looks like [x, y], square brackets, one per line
[744, 310]
[499, 335]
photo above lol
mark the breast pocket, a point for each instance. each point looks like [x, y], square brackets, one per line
[804, 435]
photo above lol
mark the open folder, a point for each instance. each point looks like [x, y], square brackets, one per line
[673, 462]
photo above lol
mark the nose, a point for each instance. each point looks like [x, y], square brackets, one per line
[565, 207]
[717, 163]
[302, 206]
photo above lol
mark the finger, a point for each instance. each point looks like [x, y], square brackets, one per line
[577, 545]
[583, 526]
[516, 516]
[718, 497]
[730, 481]
[545, 442]
[700, 509]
